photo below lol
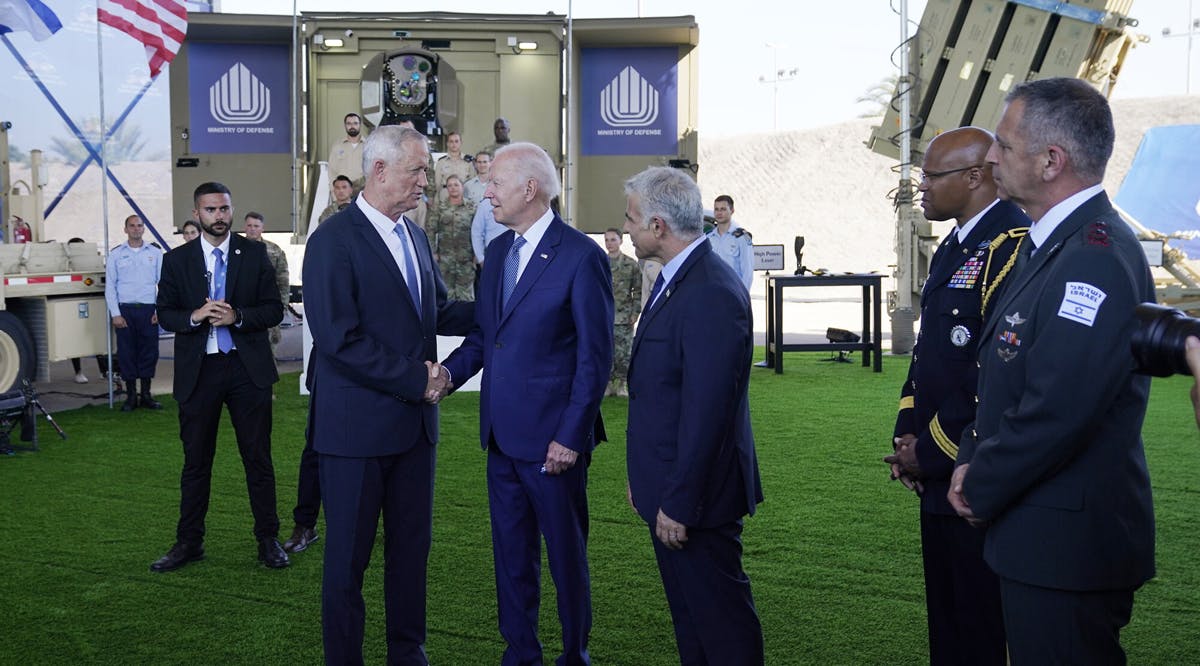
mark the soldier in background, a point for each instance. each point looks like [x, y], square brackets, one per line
[130, 290]
[277, 259]
[627, 304]
[500, 130]
[474, 186]
[450, 233]
[343, 194]
[451, 164]
[345, 155]
[731, 242]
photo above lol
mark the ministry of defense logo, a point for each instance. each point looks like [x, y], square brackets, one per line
[629, 100]
[239, 98]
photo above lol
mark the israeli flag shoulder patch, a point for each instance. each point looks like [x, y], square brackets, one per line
[1081, 303]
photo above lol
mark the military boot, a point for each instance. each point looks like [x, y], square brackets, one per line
[146, 399]
[131, 402]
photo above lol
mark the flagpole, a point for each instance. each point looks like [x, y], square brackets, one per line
[104, 197]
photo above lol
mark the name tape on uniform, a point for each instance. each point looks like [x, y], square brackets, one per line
[1081, 302]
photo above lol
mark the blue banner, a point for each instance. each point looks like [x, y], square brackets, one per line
[629, 101]
[1161, 189]
[239, 98]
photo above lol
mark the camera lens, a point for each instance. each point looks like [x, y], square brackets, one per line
[1158, 343]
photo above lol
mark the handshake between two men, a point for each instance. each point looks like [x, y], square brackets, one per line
[558, 457]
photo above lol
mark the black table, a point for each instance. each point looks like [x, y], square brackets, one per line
[872, 297]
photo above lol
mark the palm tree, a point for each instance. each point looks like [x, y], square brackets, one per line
[125, 145]
[879, 96]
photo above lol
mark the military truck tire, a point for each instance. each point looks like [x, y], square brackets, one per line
[17, 361]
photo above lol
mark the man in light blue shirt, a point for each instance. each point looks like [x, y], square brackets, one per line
[130, 290]
[484, 229]
[731, 242]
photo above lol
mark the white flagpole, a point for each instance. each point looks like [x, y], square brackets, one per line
[104, 194]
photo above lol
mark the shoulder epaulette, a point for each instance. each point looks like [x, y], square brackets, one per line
[741, 231]
[155, 244]
[115, 248]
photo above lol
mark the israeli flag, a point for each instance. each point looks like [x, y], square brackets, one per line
[28, 16]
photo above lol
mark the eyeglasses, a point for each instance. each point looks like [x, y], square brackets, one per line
[927, 176]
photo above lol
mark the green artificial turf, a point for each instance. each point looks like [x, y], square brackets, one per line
[833, 554]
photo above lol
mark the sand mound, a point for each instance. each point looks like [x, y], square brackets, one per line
[824, 184]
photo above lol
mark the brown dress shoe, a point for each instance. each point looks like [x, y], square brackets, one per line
[302, 537]
[179, 555]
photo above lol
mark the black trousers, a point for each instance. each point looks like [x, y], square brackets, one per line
[137, 343]
[224, 381]
[962, 595]
[1049, 626]
[308, 486]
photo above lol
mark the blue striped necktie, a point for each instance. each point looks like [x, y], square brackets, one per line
[410, 271]
[224, 339]
[512, 264]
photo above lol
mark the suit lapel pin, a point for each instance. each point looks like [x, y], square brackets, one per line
[237, 251]
[545, 256]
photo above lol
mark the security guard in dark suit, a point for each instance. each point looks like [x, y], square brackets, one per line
[937, 401]
[1054, 463]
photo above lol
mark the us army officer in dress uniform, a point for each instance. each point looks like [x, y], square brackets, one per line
[1055, 464]
[968, 271]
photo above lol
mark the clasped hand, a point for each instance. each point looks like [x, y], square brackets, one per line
[903, 462]
[438, 385]
[215, 312]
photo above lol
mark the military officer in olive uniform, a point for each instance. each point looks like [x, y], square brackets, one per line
[278, 260]
[627, 305]
[968, 271]
[449, 230]
[1054, 464]
[451, 164]
[731, 242]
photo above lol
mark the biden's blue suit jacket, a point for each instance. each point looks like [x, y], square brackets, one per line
[546, 356]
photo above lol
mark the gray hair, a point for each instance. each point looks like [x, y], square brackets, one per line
[670, 195]
[389, 144]
[532, 163]
[1071, 114]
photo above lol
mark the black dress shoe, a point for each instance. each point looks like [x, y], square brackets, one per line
[302, 537]
[131, 403]
[271, 554]
[179, 555]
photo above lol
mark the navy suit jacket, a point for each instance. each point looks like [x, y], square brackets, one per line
[369, 345]
[547, 355]
[249, 287]
[1056, 458]
[690, 449]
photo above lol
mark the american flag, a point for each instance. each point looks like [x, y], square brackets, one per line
[158, 24]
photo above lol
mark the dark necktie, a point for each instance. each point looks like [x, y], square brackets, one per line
[658, 285]
[410, 270]
[1024, 252]
[512, 265]
[224, 339]
[950, 247]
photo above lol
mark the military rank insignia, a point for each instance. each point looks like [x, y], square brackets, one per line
[967, 274]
